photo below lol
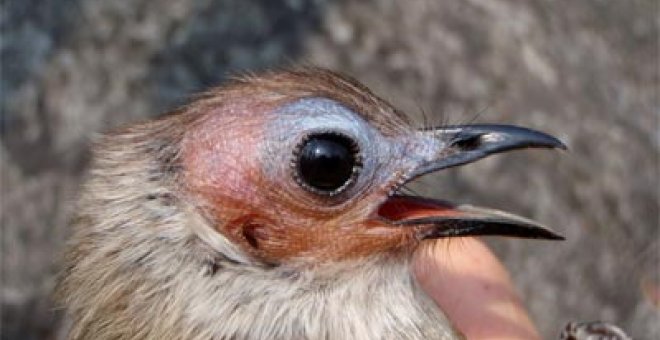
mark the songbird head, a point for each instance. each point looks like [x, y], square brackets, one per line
[272, 208]
[307, 167]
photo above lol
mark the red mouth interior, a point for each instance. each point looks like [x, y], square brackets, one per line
[407, 208]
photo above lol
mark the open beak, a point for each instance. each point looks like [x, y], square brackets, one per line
[457, 145]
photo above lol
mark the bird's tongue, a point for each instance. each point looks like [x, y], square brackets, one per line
[438, 218]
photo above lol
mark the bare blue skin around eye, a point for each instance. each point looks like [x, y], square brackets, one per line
[291, 123]
[382, 157]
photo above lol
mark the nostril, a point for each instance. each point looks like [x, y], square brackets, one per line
[467, 142]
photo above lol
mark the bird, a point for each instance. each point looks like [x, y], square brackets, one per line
[272, 207]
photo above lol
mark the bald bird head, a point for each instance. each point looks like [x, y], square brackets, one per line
[271, 208]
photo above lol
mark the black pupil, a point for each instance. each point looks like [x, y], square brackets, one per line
[326, 162]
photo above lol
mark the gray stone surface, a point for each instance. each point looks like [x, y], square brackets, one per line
[586, 71]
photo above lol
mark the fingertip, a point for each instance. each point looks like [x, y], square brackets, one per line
[473, 288]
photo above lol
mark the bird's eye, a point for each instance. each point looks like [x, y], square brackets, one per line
[327, 163]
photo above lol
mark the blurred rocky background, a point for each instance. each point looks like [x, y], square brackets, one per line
[587, 71]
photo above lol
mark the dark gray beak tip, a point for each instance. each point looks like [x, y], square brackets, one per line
[550, 235]
[483, 226]
[497, 138]
[469, 143]
[561, 146]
